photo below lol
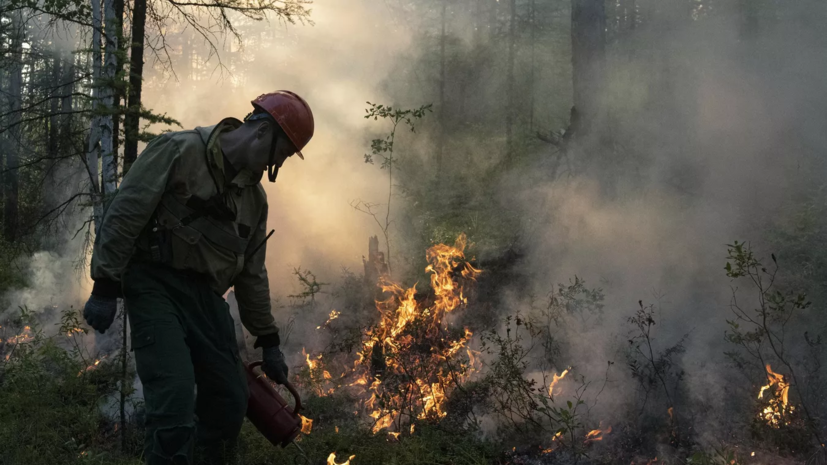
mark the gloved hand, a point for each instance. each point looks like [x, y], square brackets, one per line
[99, 312]
[273, 364]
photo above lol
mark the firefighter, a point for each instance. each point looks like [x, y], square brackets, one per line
[189, 222]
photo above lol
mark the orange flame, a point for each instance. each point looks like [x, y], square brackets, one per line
[412, 349]
[307, 424]
[555, 379]
[331, 459]
[597, 434]
[92, 366]
[21, 338]
[778, 408]
[557, 436]
[333, 315]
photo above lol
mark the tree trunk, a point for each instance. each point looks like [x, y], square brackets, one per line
[493, 5]
[119, 90]
[442, 106]
[11, 176]
[533, 25]
[54, 108]
[108, 166]
[510, 87]
[66, 102]
[136, 71]
[93, 145]
[748, 13]
[588, 24]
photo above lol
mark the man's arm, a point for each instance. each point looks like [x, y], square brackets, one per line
[253, 290]
[130, 211]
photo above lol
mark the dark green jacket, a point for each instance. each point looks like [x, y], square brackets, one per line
[171, 169]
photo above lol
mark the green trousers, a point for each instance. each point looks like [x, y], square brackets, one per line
[195, 389]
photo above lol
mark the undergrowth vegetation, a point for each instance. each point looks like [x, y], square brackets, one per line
[519, 399]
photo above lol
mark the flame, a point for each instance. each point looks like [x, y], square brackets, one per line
[331, 459]
[394, 435]
[92, 366]
[554, 381]
[312, 364]
[778, 408]
[557, 436]
[670, 411]
[307, 424]
[333, 315]
[597, 434]
[72, 332]
[337, 430]
[411, 359]
[21, 338]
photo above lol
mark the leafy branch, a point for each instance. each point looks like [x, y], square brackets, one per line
[383, 149]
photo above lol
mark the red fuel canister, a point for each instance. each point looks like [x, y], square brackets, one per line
[269, 412]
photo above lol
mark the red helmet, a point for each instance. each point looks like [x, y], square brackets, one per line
[292, 113]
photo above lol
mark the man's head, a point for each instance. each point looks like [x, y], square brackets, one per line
[280, 126]
[267, 144]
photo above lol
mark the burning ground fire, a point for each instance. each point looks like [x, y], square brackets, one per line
[331, 459]
[307, 424]
[24, 337]
[412, 353]
[412, 358]
[555, 380]
[777, 412]
[597, 434]
[92, 366]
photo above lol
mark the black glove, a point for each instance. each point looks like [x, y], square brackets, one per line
[273, 364]
[99, 312]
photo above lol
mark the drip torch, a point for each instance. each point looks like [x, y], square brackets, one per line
[270, 413]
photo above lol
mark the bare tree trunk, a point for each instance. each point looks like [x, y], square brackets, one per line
[93, 145]
[11, 178]
[748, 13]
[510, 87]
[119, 91]
[442, 107]
[108, 166]
[492, 19]
[478, 22]
[54, 105]
[66, 101]
[136, 71]
[588, 25]
[533, 25]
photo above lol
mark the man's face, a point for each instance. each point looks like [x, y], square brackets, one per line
[260, 148]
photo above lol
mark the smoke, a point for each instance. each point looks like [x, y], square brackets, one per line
[54, 284]
[337, 65]
[720, 130]
[720, 138]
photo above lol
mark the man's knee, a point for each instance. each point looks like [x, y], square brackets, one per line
[171, 445]
[221, 417]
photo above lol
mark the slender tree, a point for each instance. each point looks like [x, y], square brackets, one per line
[510, 85]
[11, 178]
[108, 164]
[93, 146]
[136, 72]
[443, 108]
[588, 39]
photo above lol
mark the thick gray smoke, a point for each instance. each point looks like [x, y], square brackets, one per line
[720, 130]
